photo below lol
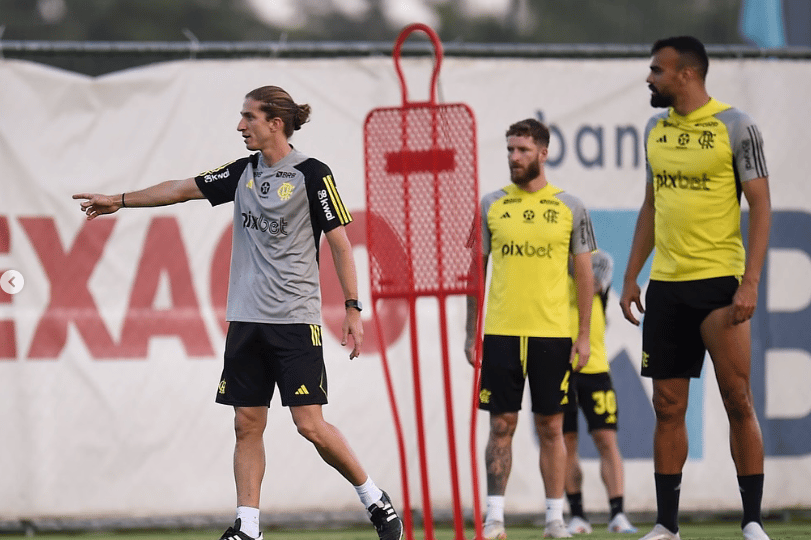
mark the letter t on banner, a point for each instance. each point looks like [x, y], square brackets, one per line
[422, 199]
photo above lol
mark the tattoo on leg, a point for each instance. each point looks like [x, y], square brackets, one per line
[498, 458]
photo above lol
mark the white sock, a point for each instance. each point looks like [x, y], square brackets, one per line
[554, 510]
[495, 508]
[249, 520]
[368, 492]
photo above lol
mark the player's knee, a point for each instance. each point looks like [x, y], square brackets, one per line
[669, 407]
[502, 426]
[248, 426]
[310, 430]
[604, 445]
[549, 427]
[738, 403]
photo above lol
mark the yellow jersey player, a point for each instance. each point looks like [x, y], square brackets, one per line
[592, 391]
[529, 230]
[701, 156]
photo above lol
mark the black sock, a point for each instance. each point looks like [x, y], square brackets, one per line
[668, 489]
[576, 504]
[616, 505]
[751, 494]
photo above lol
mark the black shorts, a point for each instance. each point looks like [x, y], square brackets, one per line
[258, 357]
[672, 346]
[594, 394]
[509, 360]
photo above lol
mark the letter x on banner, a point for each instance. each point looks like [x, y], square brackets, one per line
[422, 200]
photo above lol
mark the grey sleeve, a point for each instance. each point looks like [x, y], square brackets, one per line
[603, 267]
[487, 202]
[651, 124]
[582, 239]
[747, 144]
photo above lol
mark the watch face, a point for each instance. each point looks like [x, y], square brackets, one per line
[354, 304]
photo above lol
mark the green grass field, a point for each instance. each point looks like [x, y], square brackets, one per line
[791, 530]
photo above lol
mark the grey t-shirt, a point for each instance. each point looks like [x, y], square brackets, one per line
[280, 212]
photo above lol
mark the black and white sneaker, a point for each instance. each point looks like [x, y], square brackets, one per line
[385, 519]
[233, 533]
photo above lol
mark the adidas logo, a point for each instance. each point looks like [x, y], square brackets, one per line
[662, 139]
[384, 510]
[505, 215]
[302, 391]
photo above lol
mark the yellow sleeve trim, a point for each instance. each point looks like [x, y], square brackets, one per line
[343, 214]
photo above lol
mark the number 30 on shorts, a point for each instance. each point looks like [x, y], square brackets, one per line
[605, 403]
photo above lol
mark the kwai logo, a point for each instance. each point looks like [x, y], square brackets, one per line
[214, 176]
[323, 198]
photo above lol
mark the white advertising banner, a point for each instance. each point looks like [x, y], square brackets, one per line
[110, 354]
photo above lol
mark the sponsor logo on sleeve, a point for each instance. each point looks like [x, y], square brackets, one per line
[323, 198]
[218, 175]
[746, 146]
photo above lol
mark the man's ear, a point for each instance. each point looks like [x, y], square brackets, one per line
[543, 154]
[277, 124]
[688, 74]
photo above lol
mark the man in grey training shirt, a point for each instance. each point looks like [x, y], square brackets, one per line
[283, 201]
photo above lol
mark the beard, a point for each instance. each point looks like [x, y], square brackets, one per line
[659, 100]
[532, 171]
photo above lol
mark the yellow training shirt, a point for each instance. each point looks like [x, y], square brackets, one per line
[529, 237]
[696, 164]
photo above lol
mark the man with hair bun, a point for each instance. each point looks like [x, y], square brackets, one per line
[274, 298]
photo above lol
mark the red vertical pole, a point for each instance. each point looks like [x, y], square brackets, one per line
[398, 427]
[477, 365]
[426, 493]
[446, 370]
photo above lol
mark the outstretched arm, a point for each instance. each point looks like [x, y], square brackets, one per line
[163, 194]
[345, 268]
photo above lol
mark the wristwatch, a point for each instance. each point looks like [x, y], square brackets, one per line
[352, 303]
